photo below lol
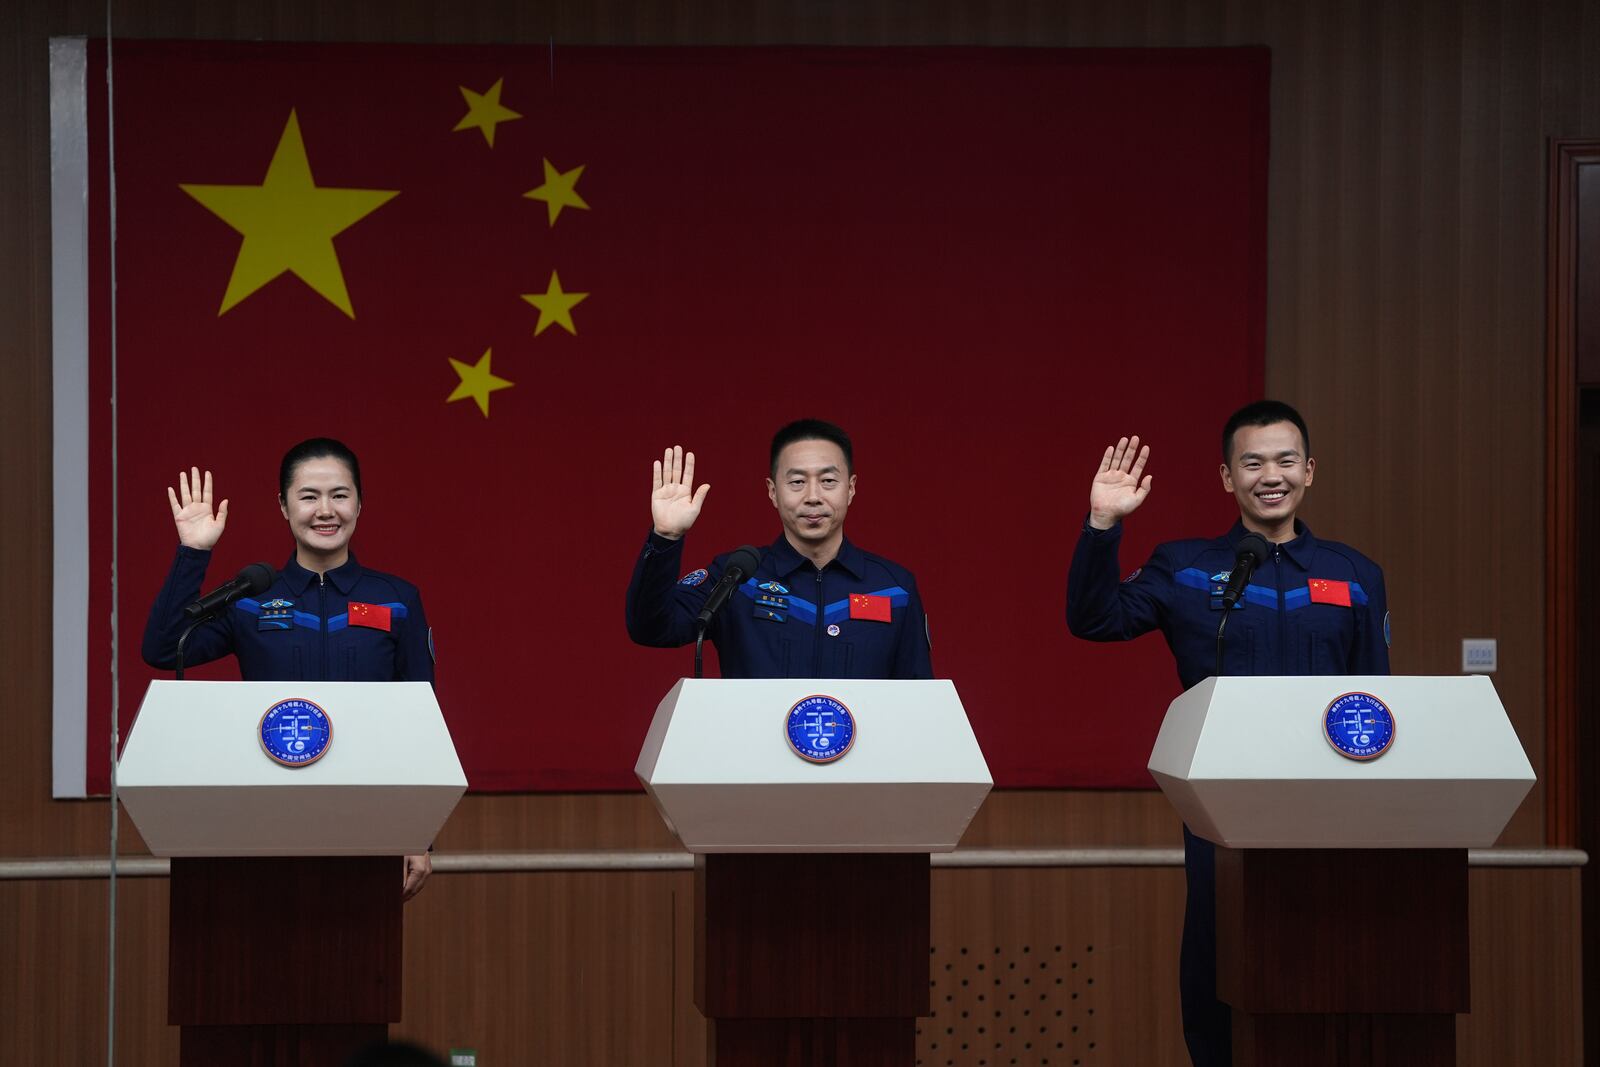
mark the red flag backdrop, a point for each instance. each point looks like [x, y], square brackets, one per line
[985, 264]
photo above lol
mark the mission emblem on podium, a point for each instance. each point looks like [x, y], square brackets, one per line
[820, 729]
[1359, 726]
[295, 732]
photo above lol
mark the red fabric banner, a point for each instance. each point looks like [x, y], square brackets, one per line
[509, 277]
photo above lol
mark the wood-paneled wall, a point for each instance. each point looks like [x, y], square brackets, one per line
[1405, 317]
[1029, 966]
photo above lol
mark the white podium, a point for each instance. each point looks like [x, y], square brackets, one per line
[717, 765]
[1341, 884]
[1246, 763]
[196, 782]
[285, 939]
[812, 880]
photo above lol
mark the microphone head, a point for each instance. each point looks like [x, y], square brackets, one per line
[260, 577]
[745, 558]
[1253, 545]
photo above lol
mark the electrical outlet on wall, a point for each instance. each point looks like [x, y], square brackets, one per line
[1479, 655]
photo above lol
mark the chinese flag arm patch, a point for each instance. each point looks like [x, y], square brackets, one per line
[375, 616]
[870, 607]
[1328, 591]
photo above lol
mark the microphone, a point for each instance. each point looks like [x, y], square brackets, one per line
[256, 578]
[742, 563]
[1249, 553]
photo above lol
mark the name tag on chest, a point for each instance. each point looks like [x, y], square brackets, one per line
[276, 614]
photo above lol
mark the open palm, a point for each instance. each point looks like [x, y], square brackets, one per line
[1121, 485]
[197, 526]
[674, 501]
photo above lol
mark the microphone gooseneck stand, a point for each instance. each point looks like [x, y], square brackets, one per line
[184, 637]
[251, 580]
[1247, 558]
[1221, 626]
[742, 562]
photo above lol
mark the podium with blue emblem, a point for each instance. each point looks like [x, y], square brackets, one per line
[285, 808]
[1342, 809]
[811, 807]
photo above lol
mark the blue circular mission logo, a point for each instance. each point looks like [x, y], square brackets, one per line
[1359, 726]
[295, 732]
[820, 729]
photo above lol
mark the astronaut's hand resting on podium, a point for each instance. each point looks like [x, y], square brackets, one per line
[674, 501]
[1118, 490]
[417, 870]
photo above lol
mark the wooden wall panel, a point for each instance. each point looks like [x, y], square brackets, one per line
[598, 969]
[1526, 951]
[53, 957]
[1076, 819]
[1055, 967]
[555, 821]
[547, 968]
[1014, 818]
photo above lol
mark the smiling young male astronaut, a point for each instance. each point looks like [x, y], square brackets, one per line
[1312, 607]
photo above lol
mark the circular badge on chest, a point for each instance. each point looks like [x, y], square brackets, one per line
[295, 732]
[820, 729]
[1359, 726]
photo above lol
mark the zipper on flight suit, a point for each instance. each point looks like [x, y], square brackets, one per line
[816, 636]
[1283, 615]
[322, 612]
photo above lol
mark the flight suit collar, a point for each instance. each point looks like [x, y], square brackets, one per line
[343, 577]
[1300, 549]
[785, 560]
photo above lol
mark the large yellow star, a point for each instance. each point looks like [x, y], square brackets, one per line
[555, 306]
[288, 223]
[558, 191]
[477, 382]
[484, 111]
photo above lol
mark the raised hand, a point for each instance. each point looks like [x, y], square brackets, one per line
[191, 511]
[675, 502]
[1117, 490]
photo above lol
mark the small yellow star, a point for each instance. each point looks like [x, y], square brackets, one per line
[555, 306]
[477, 382]
[289, 223]
[558, 191]
[484, 111]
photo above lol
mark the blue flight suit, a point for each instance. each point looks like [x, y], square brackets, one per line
[299, 629]
[788, 620]
[1277, 628]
